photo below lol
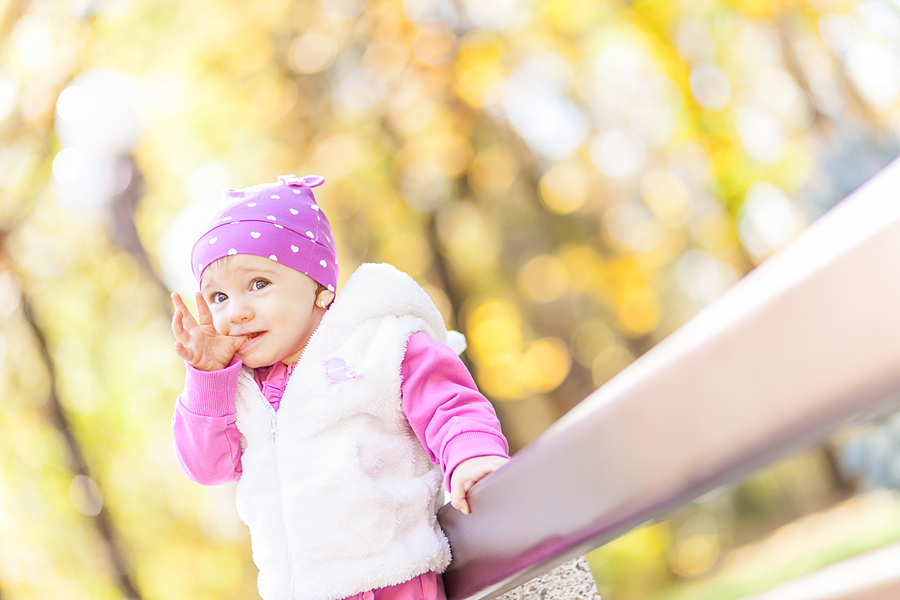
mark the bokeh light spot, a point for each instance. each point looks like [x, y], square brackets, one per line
[494, 332]
[875, 70]
[590, 340]
[633, 227]
[703, 276]
[618, 153]
[640, 310]
[498, 15]
[313, 52]
[762, 136]
[408, 251]
[697, 546]
[545, 364]
[563, 189]
[434, 45]
[544, 278]
[424, 185]
[9, 95]
[767, 221]
[493, 171]
[667, 196]
[337, 156]
[86, 496]
[710, 86]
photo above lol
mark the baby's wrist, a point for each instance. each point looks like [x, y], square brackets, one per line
[212, 366]
[209, 368]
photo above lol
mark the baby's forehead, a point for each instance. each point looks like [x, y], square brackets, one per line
[239, 267]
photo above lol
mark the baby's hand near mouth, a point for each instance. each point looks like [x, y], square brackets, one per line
[197, 341]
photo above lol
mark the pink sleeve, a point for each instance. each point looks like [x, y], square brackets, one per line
[207, 440]
[450, 417]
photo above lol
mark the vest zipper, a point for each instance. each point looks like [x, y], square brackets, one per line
[274, 420]
[274, 431]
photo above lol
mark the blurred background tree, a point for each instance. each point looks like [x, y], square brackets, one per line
[571, 180]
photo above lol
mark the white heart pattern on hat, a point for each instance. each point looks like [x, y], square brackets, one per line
[288, 219]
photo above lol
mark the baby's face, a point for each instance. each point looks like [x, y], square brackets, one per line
[258, 297]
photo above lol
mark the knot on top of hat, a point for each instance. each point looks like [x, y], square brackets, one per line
[308, 180]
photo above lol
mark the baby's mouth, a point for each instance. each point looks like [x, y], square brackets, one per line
[249, 338]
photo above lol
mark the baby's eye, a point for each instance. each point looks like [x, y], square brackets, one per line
[259, 284]
[218, 298]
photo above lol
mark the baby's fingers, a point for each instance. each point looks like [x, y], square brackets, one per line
[182, 332]
[184, 352]
[204, 315]
[182, 336]
[179, 304]
[178, 325]
[182, 319]
[458, 497]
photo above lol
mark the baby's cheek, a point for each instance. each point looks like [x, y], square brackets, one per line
[220, 322]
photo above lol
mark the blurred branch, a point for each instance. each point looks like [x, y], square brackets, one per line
[58, 416]
[125, 234]
[442, 270]
[55, 411]
[787, 30]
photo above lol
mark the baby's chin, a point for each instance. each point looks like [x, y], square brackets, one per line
[254, 363]
[257, 363]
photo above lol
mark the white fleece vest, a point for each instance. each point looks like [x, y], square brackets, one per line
[339, 495]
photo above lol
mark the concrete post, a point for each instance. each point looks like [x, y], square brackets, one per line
[569, 581]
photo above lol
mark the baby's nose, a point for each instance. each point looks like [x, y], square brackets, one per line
[240, 311]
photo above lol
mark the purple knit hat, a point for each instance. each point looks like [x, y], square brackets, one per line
[280, 221]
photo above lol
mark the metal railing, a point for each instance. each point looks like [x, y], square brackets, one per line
[808, 340]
